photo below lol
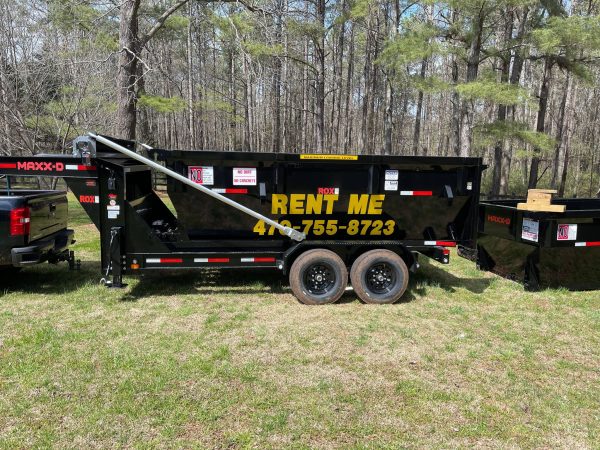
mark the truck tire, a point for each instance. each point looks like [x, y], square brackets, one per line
[318, 277]
[379, 276]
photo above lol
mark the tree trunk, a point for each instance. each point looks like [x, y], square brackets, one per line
[560, 134]
[515, 77]
[320, 91]
[127, 69]
[502, 109]
[419, 112]
[467, 108]
[232, 128]
[247, 101]
[455, 121]
[349, 79]
[389, 112]
[5, 136]
[541, 121]
[190, 82]
[276, 138]
[368, 83]
[339, 84]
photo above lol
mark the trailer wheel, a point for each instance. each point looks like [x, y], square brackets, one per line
[379, 276]
[318, 277]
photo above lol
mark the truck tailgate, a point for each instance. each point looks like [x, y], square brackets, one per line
[49, 214]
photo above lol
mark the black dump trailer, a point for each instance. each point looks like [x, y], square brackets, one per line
[542, 249]
[320, 219]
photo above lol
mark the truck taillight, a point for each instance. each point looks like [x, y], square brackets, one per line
[20, 219]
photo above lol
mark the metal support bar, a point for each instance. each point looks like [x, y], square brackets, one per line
[288, 231]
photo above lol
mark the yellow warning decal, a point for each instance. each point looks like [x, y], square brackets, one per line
[330, 157]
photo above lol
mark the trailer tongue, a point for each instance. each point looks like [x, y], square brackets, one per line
[317, 218]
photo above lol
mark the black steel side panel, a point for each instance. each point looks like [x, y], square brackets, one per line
[443, 205]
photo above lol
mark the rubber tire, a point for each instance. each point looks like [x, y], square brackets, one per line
[364, 262]
[309, 258]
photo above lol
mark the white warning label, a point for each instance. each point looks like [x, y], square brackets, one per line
[566, 232]
[244, 176]
[391, 175]
[201, 174]
[530, 230]
[390, 185]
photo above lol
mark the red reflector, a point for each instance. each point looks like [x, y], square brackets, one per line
[20, 220]
[446, 252]
[264, 259]
[422, 193]
[8, 165]
[171, 260]
[218, 260]
[592, 244]
[446, 243]
[80, 167]
[236, 191]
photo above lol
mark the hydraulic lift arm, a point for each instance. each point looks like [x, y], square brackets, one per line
[288, 231]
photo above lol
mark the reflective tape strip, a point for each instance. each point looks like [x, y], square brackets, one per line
[416, 193]
[441, 243]
[587, 244]
[230, 191]
[164, 260]
[78, 167]
[211, 260]
[258, 260]
[8, 165]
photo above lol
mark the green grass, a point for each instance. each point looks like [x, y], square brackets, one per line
[211, 360]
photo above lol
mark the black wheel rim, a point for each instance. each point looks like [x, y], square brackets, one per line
[381, 278]
[319, 279]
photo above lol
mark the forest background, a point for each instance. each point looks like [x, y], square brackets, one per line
[515, 82]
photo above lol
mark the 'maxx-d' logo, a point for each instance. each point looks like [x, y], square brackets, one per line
[41, 166]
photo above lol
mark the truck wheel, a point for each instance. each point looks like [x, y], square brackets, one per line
[318, 277]
[379, 276]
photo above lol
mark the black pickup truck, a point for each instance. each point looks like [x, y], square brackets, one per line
[33, 228]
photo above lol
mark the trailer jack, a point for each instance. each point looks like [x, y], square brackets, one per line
[116, 261]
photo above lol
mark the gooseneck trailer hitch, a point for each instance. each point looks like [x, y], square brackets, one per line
[288, 231]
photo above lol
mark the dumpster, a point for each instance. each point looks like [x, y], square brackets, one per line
[541, 249]
[333, 197]
[320, 219]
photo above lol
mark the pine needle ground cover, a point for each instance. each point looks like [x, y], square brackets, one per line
[217, 360]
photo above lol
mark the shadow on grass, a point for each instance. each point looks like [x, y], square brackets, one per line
[431, 275]
[49, 278]
[58, 279]
[170, 282]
